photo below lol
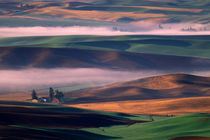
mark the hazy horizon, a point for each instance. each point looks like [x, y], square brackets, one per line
[134, 29]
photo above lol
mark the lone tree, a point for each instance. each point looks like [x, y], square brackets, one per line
[51, 94]
[34, 95]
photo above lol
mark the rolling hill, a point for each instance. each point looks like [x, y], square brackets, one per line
[22, 120]
[153, 108]
[35, 57]
[158, 87]
[105, 12]
[190, 127]
[172, 3]
[25, 116]
[178, 106]
[194, 46]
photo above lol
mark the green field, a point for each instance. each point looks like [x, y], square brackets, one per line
[152, 127]
[174, 3]
[185, 125]
[161, 128]
[196, 46]
[37, 121]
[50, 22]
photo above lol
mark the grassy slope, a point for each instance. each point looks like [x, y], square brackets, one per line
[16, 132]
[162, 128]
[173, 3]
[44, 121]
[19, 121]
[20, 22]
[37, 57]
[63, 109]
[197, 46]
[186, 125]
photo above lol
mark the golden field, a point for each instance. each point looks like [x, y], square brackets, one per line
[157, 107]
[91, 15]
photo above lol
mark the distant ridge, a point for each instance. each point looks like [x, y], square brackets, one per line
[158, 87]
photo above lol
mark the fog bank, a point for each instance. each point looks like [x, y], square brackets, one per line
[27, 79]
[135, 28]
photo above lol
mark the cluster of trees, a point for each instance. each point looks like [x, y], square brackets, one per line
[52, 94]
[55, 94]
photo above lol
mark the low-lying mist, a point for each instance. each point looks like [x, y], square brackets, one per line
[15, 81]
[135, 28]
[27, 79]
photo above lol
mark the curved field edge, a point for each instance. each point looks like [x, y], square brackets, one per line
[185, 125]
[197, 124]
[195, 46]
[16, 121]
